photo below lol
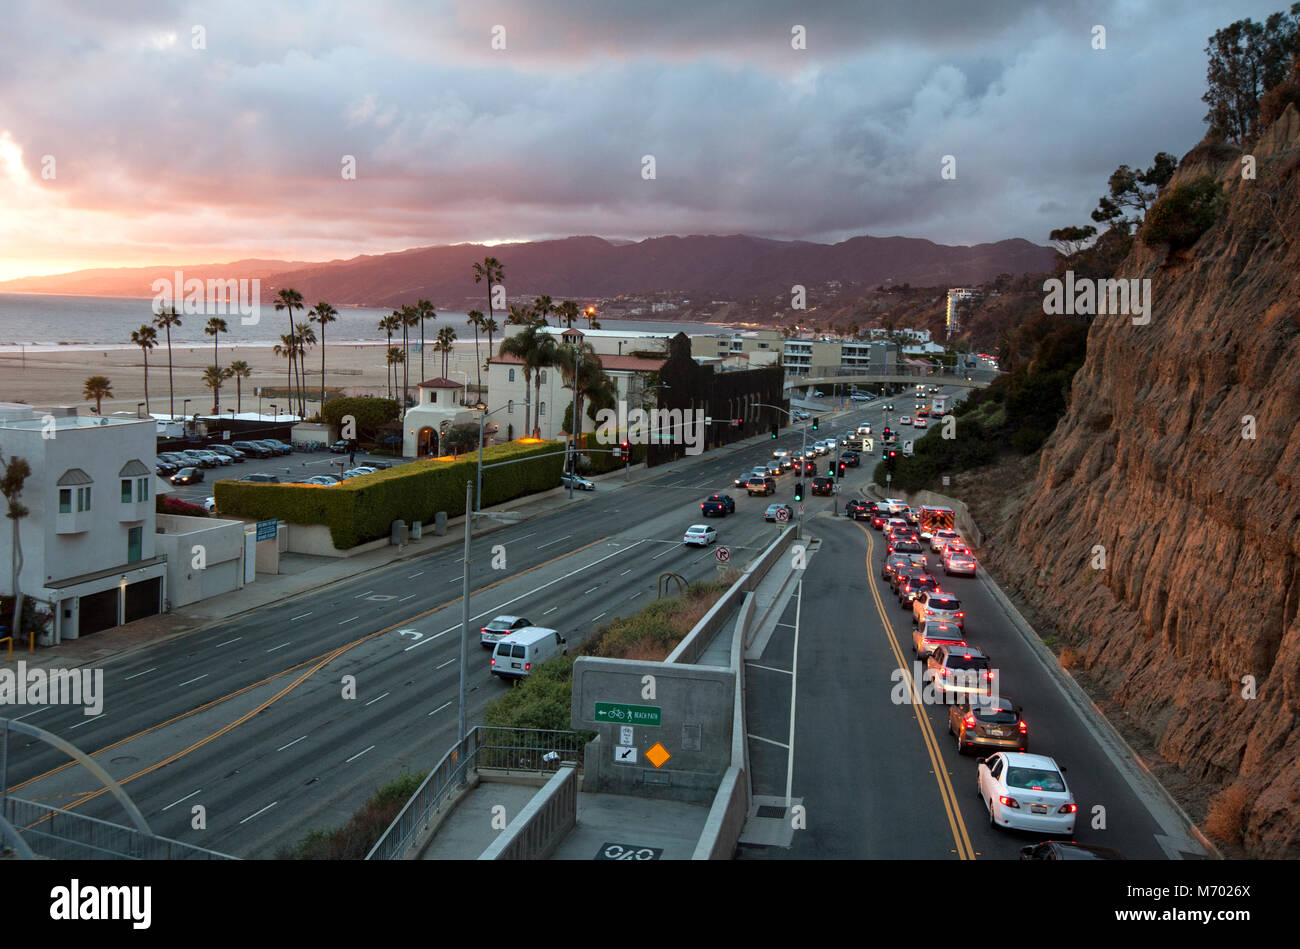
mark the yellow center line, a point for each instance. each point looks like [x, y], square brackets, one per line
[949, 797]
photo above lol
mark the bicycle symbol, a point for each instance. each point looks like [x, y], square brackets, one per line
[619, 852]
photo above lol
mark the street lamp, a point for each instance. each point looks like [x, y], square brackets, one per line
[482, 408]
[799, 533]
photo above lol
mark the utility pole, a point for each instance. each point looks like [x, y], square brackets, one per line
[464, 607]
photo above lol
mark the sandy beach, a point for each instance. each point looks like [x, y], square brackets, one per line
[55, 375]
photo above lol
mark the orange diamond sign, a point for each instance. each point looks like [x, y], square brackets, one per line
[658, 755]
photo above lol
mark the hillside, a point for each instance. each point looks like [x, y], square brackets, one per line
[1155, 462]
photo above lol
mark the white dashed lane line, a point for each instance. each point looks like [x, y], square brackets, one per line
[358, 755]
[138, 674]
[195, 679]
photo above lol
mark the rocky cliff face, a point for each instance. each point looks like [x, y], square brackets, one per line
[1200, 526]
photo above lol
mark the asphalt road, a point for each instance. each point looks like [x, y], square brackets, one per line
[252, 719]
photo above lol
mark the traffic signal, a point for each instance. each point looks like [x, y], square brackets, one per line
[843, 467]
[798, 491]
[815, 420]
[889, 459]
[775, 428]
[886, 435]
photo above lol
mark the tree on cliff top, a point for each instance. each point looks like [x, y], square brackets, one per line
[1246, 60]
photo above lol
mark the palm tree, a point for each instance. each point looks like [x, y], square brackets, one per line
[216, 326]
[16, 471]
[97, 388]
[213, 377]
[580, 368]
[490, 325]
[491, 271]
[445, 344]
[322, 314]
[241, 371]
[388, 324]
[476, 320]
[543, 307]
[290, 299]
[568, 312]
[287, 347]
[395, 358]
[591, 318]
[165, 319]
[522, 346]
[545, 353]
[520, 316]
[427, 312]
[146, 337]
[410, 318]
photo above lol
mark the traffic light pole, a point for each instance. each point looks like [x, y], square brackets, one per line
[798, 534]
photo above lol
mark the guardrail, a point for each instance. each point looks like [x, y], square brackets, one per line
[516, 749]
[545, 820]
[56, 834]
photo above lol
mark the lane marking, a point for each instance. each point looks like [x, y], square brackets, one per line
[779, 744]
[262, 811]
[291, 744]
[346, 621]
[294, 619]
[138, 674]
[195, 679]
[438, 709]
[596, 587]
[551, 610]
[228, 642]
[598, 616]
[551, 542]
[447, 663]
[418, 573]
[37, 712]
[378, 697]
[405, 598]
[93, 718]
[770, 668]
[185, 798]
[636, 594]
[360, 595]
[358, 755]
[281, 646]
[625, 572]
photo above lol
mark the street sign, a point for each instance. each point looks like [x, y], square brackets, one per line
[783, 515]
[622, 714]
[722, 554]
[624, 754]
[625, 735]
[658, 755]
[945, 481]
[266, 530]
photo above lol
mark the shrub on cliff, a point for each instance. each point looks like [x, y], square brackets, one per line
[1183, 214]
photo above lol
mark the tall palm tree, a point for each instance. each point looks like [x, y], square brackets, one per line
[165, 319]
[213, 377]
[476, 320]
[216, 326]
[97, 388]
[580, 368]
[522, 346]
[410, 317]
[290, 299]
[322, 314]
[492, 272]
[520, 316]
[590, 314]
[305, 340]
[241, 371]
[146, 337]
[445, 344]
[16, 471]
[427, 312]
[568, 312]
[395, 358]
[543, 307]
[388, 324]
[490, 326]
[288, 348]
[545, 353]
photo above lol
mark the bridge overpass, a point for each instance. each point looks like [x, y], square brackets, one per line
[930, 375]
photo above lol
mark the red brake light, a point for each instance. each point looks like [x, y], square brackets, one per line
[1024, 729]
[1067, 808]
[1009, 802]
[527, 666]
[960, 613]
[969, 721]
[494, 660]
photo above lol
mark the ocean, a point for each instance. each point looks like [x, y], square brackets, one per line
[35, 320]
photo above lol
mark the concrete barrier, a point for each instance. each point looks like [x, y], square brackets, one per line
[545, 821]
[726, 818]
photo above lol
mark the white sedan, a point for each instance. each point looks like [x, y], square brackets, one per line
[700, 534]
[919, 423]
[1026, 792]
[905, 420]
[582, 484]
[940, 538]
[210, 505]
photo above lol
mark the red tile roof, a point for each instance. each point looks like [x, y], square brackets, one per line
[439, 383]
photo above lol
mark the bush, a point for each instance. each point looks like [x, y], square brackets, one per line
[1225, 821]
[370, 414]
[1183, 214]
[166, 504]
[354, 839]
[1028, 440]
[363, 508]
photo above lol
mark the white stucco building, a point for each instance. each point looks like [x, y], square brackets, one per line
[437, 409]
[88, 542]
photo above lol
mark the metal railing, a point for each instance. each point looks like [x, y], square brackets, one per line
[57, 834]
[516, 749]
[888, 373]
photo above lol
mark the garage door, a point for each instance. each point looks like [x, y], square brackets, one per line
[142, 598]
[98, 611]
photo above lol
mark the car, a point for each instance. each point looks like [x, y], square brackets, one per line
[860, 397]
[799, 414]
[342, 447]
[940, 537]
[912, 516]
[863, 431]
[500, 626]
[959, 670]
[780, 453]
[325, 481]
[274, 446]
[922, 412]
[823, 486]
[198, 458]
[787, 463]
[251, 448]
[1063, 850]
[809, 468]
[913, 586]
[774, 469]
[938, 605]
[700, 535]
[879, 519]
[856, 509]
[742, 479]
[770, 513]
[896, 505]
[210, 505]
[958, 562]
[760, 484]
[904, 547]
[931, 634]
[187, 476]
[569, 480]
[365, 469]
[818, 393]
[893, 562]
[719, 504]
[987, 721]
[165, 468]
[261, 478]
[899, 575]
[831, 444]
[851, 458]
[920, 423]
[889, 406]
[1026, 792]
[235, 455]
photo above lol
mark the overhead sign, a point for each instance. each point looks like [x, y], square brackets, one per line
[622, 714]
[722, 554]
[266, 530]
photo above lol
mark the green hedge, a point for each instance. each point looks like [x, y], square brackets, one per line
[362, 509]
[602, 459]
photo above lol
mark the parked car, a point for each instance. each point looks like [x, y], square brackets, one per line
[342, 447]
[187, 476]
[719, 504]
[210, 505]
[253, 448]
[1026, 792]
[234, 454]
[325, 481]
[700, 535]
[261, 478]
[165, 468]
[576, 481]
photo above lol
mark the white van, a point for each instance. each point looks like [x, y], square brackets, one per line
[516, 655]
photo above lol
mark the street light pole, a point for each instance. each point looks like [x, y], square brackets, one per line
[464, 611]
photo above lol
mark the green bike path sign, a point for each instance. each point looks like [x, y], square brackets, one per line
[622, 714]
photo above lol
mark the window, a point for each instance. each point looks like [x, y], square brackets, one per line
[83, 499]
[65, 500]
[543, 377]
[510, 406]
[541, 410]
[512, 375]
[142, 489]
[126, 490]
[134, 542]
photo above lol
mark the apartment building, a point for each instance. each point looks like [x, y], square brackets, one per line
[88, 541]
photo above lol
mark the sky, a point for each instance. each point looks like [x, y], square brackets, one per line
[138, 132]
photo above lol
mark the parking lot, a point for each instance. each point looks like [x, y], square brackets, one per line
[298, 466]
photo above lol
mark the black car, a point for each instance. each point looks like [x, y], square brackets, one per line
[857, 509]
[909, 588]
[252, 448]
[741, 480]
[852, 459]
[165, 468]
[824, 486]
[1068, 850]
[719, 504]
[341, 447]
[187, 476]
[901, 575]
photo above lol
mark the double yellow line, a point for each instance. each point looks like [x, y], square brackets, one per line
[960, 837]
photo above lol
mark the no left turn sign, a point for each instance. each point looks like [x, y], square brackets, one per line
[722, 554]
[782, 514]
